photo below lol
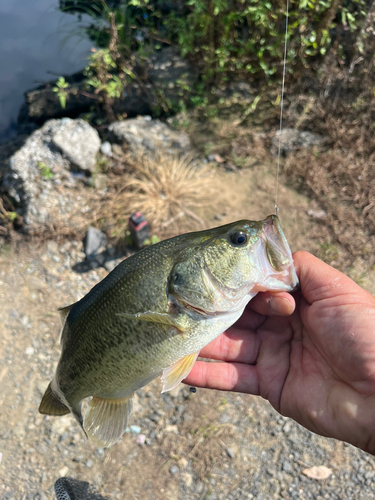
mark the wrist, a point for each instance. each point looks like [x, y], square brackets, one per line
[354, 419]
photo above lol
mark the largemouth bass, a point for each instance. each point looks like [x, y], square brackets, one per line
[153, 314]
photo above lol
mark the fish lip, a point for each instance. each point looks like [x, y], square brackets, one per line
[272, 232]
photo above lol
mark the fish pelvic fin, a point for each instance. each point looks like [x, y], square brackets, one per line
[51, 404]
[172, 375]
[106, 420]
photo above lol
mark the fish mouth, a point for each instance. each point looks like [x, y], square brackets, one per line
[278, 254]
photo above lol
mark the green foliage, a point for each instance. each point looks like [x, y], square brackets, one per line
[100, 77]
[225, 38]
[12, 216]
[154, 239]
[45, 171]
[60, 89]
[247, 36]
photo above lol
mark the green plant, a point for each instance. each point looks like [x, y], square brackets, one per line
[152, 241]
[247, 36]
[8, 216]
[60, 89]
[45, 171]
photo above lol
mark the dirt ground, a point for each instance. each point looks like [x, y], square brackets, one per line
[209, 445]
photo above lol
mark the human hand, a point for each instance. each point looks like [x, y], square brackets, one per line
[315, 365]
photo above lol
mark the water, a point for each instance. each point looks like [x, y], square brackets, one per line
[35, 39]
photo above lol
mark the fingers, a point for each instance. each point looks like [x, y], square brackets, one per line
[273, 304]
[236, 377]
[234, 345]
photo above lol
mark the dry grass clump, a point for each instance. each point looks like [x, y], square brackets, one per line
[165, 188]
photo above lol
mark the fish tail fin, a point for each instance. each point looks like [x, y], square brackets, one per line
[51, 404]
[106, 420]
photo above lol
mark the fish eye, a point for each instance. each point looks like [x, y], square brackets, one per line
[238, 238]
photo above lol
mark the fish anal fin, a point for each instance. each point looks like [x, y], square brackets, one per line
[51, 404]
[155, 317]
[172, 375]
[105, 420]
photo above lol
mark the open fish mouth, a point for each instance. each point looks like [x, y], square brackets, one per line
[276, 259]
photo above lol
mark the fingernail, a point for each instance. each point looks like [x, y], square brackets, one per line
[281, 306]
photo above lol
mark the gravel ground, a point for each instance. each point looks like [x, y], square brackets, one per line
[208, 445]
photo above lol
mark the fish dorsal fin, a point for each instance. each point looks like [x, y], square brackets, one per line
[106, 420]
[172, 375]
[64, 312]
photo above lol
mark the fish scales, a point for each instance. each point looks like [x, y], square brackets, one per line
[154, 313]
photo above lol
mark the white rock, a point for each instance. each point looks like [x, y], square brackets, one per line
[64, 471]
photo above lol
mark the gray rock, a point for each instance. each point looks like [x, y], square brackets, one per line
[287, 466]
[145, 134]
[199, 487]
[287, 427]
[94, 243]
[111, 263]
[292, 139]
[32, 173]
[28, 173]
[154, 417]
[78, 142]
[230, 452]
[42, 449]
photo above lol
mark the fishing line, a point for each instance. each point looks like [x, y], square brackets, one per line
[282, 105]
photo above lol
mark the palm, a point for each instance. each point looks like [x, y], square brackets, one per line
[316, 366]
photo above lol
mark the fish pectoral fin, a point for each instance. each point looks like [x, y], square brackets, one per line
[172, 375]
[105, 420]
[51, 404]
[154, 317]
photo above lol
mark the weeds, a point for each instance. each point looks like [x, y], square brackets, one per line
[45, 171]
[328, 252]
[61, 92]
[8, 217]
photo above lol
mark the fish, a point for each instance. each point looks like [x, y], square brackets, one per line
[153, 314]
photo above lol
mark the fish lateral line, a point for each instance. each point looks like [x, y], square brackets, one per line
[161, 318]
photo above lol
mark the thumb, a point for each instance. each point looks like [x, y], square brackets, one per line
[320, 281]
